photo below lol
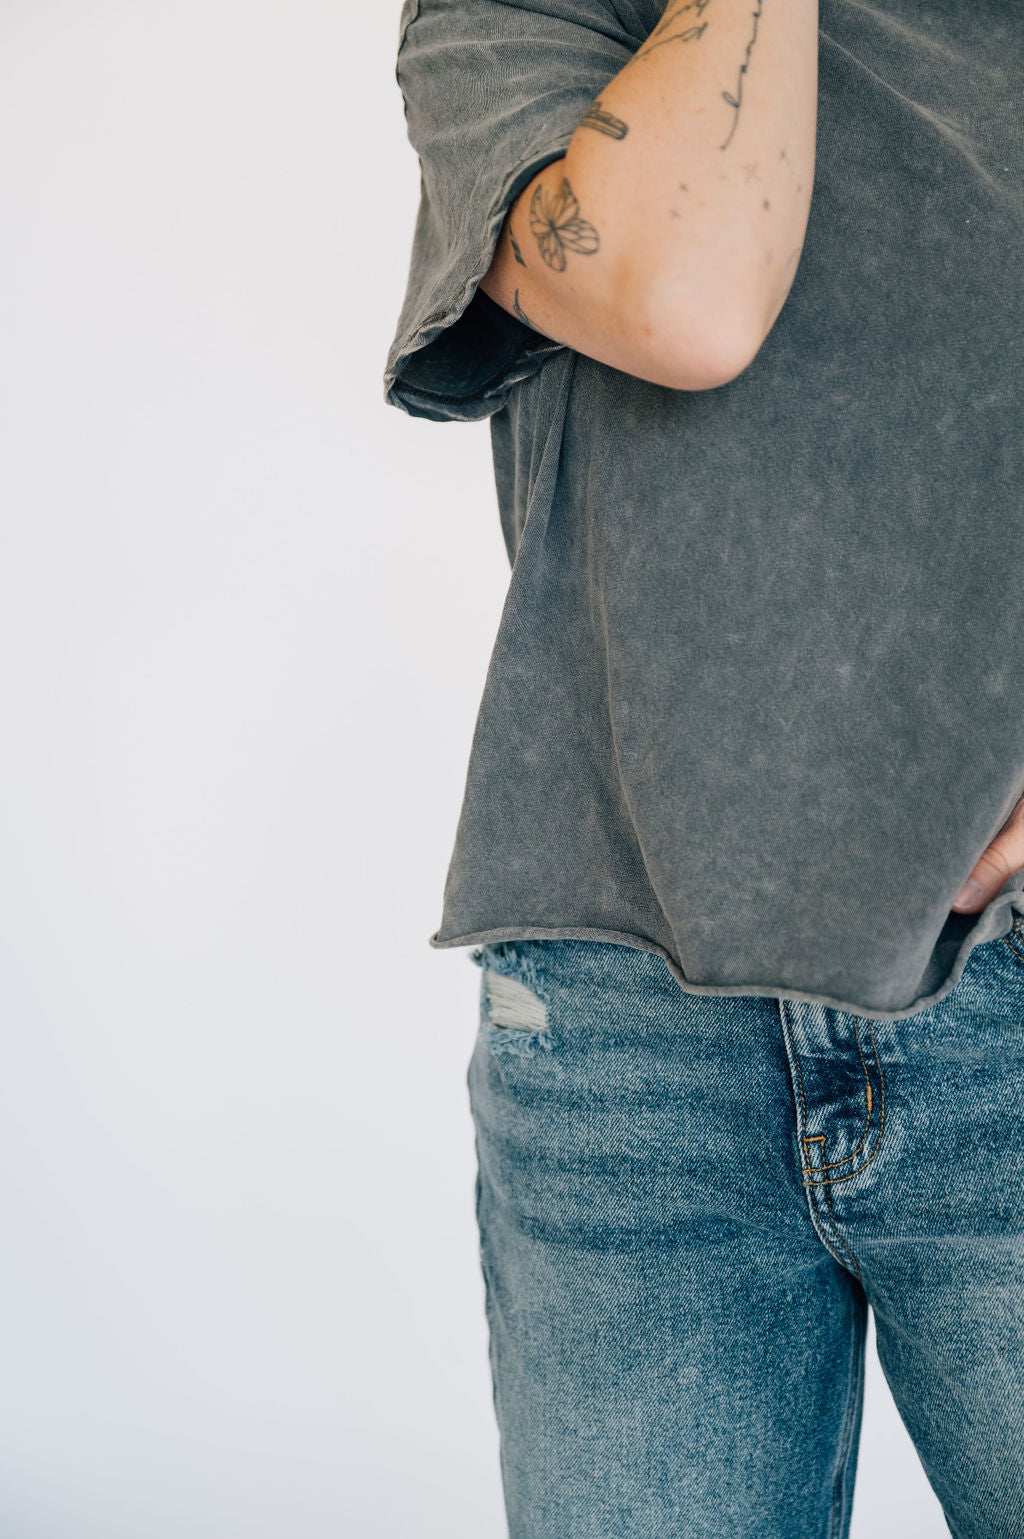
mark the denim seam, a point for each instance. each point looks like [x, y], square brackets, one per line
[834, 1222]
[819, 1220]
[824, 1221]
[868, 1097]
[489, 1311]
[827, 1220]
[867, 1113]
[854, 1390]
[831, 1180]
[803, 1104]
[807, 1169]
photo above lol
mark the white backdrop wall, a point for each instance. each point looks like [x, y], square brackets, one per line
[245, 618]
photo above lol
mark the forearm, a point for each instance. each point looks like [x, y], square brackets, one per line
[692, 175]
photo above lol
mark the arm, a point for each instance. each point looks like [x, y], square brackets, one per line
[665, 241]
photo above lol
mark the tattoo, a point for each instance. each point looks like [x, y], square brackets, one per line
[677, 12]
[734, 101]
[521, 312]
[556, 223]
[527, 321]
[605, 122]
[515, 248]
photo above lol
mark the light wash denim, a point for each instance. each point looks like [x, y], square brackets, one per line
[686, 1204]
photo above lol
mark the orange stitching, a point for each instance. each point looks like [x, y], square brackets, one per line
[808, 1170]
[830, 1222]
[819, 1138]
[830, 1180]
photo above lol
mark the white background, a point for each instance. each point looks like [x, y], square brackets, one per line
[245, 617]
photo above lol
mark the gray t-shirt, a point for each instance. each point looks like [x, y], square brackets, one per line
[756, 700]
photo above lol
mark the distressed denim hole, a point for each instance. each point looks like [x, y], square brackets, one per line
[516, 1017]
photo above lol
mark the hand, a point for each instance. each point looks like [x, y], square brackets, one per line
[1004, 854]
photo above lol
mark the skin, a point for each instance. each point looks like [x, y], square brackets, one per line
[665, 240]
[1003, 855]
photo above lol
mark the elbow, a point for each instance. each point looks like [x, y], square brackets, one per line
[690, 347]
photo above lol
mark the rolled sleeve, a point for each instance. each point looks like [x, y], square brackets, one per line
[493, 91]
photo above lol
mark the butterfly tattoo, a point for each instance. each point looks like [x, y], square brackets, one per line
[556, 223]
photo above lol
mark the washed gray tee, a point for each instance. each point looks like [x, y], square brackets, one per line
[756, 700]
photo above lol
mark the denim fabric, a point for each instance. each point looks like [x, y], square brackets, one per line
[685, 1207]
[756, 698]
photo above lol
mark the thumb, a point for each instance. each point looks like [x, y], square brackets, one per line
[1003, 855]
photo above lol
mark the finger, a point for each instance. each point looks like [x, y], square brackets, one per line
[1004, 854]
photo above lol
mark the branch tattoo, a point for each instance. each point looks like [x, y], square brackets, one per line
[663, 34]
[678, 13]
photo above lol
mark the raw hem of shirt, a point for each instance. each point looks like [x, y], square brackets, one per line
[487, 399]
[974, 937]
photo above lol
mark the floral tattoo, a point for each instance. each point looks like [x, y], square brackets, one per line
[558, 227]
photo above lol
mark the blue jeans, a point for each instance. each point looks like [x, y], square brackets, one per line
[686, 1204]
